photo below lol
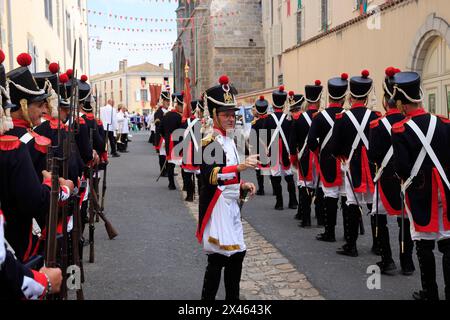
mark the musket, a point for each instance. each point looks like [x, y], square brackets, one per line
[110, 230]
[162, 170]
[91, 209]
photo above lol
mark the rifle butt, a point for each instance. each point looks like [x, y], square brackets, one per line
[112, 233]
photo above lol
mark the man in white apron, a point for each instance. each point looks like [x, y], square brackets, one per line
[220, 229]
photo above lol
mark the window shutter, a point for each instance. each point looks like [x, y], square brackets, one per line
[276, 37]
[138, 95]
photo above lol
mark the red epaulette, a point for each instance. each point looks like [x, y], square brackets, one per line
[374, 123]
[90, 116]
[41, 143]
[399, 127]
[443, 118]
[378, 113]
[82, 121]
[339, 116]
[54, 124]
[9, 143]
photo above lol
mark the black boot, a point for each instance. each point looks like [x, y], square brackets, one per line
[349, 249]
[162, 161]
[299, 215]
[260, 179]
[387, 264]
[427, 271]
[306, 203]
[373, 224]
[330, 217]
[276, 183]
[293, 204]
[199, 183]
[444, 247]
[344, 209]
[319, 203]
[171, 176]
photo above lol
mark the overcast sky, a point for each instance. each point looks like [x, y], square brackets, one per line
[107, 59]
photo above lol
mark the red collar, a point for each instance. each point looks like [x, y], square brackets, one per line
[313, 107]
[358, 105]
[47, 117]
[416, 112]
[20, 123]
[392, 111]
[335, 105]
[263, 116]
[278, 110]
[296, 115]
[220, 131]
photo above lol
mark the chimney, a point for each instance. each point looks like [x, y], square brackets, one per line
[123, 65]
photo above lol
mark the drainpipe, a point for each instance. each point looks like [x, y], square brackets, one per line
[10, 37]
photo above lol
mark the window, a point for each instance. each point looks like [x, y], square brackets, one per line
[81, 53]
[143, 80]
[361, 6]
[68, 31]
[120, 83]
[324, 15]
[144, 95]
[280, 80]
[32, 50]
[48, 7]
[121, 96]
[58, 19]
[299, 26]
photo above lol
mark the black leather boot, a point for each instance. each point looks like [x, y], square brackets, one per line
[276, 183]
[427, 265]
[260, 179]
[331, 205]
[406, 258]
[306, 203]
[345, 223]
[349, 249]
[293, 204]
[387, 264]
[319, 204]
[444, 247]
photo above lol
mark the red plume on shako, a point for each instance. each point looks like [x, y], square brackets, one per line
[53, 68]
[281, 89]
[2, 56]
[64, 78]
[69, 73]
[365, 73]
[318, 82]
[291, 93]
[84, 78]
[24, 59]
[224, 80]
[261, 98]
[344, 76]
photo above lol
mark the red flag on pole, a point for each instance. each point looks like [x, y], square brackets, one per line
[187, 95]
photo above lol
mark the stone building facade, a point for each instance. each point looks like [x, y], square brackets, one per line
[219, 37]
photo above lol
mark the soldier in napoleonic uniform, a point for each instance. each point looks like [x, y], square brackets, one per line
[331, 175]
[278, 127]
[305, 160]
[220, 227]
[259, 146]
[422, 161]
[350, 143]
[172, 121]
[159, 142]
[387, 199]
[192, 149]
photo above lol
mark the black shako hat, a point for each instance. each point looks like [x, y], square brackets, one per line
[65, 90]
[360, 87]
[313, 93]
[165, 95]
[407, 87]
[338, 87]
[22, 85]
[295, 101]
[261, 105]
[197, 105]
[221, 97]
[279, 98]
[178, 97]
[388, 84]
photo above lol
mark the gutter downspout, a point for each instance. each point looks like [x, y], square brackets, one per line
[10, 37]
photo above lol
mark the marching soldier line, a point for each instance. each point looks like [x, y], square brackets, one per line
[391, 165]
[53, 155]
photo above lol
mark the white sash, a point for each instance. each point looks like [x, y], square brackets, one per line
[279, 130]
[330, 133]
[388, 155]
[27, 137]
[309, 121]
[190, 131]
[426, 149]
[360, 135]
